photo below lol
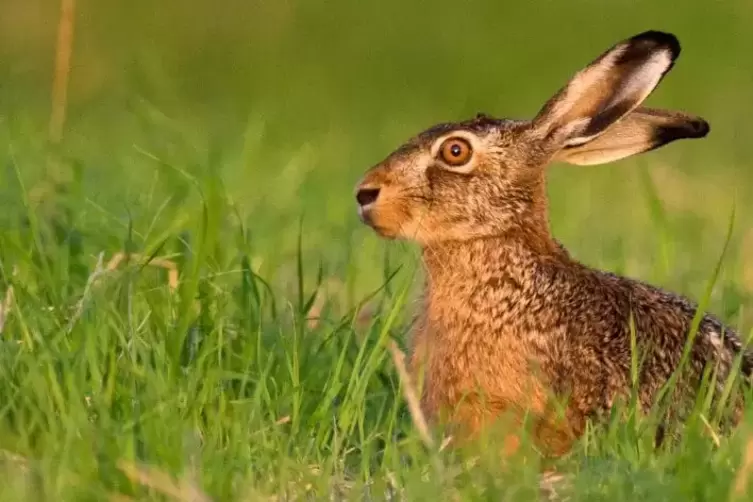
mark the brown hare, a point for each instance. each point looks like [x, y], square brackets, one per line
[510, 322]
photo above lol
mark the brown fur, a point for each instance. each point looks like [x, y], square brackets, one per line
[510, 323]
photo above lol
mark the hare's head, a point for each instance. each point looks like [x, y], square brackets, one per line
[485, 176]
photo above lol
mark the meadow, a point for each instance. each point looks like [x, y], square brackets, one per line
[240, 349]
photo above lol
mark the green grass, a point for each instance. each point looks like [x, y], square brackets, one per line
[228, 137]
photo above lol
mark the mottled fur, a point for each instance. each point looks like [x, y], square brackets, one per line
[510, 321]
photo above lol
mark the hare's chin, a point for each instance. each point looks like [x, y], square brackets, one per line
[365, 215]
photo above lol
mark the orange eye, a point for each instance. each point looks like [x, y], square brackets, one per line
[456, 151]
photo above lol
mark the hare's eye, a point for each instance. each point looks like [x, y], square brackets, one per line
[455, 152]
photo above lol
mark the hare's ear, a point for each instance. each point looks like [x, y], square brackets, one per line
[641, 130]
[609, 88]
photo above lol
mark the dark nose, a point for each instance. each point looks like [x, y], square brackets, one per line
[366, 196]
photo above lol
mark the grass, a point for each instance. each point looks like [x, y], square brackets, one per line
[226, 140]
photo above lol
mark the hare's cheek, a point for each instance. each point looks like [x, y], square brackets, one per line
[446, 184]
[437, 177]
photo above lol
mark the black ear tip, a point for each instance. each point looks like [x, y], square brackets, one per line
[699, 128]
[692, 128]
[659, 39]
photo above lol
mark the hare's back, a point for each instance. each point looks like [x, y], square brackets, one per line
[662, 320]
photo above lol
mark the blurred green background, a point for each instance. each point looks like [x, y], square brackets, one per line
[290, 101]
[218, 132]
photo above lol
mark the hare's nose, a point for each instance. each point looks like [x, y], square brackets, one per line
[367, 196]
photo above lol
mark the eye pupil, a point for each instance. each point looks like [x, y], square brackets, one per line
[456, 150]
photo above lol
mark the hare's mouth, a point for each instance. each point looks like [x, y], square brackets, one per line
[368, 216]
[364, 214]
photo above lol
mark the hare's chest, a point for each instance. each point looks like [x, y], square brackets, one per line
[480, 364]
[472, 370]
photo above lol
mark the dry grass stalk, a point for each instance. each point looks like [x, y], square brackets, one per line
[101, 270]
[410, 395]
[7, 303]
[283, 420]
[93, 278]
[63, 52]
[550, 481]
[45, 191]
[445, 443]
[710, 431]
[6, 306]
[326, 290]
[150, 477]
[17, 460]
[742, 479]
[169, 265]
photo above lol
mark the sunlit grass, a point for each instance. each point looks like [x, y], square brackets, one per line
[245, 387]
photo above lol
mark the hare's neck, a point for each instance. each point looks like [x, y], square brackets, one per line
[457, 265]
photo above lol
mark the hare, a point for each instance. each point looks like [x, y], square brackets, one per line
[510, 322]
